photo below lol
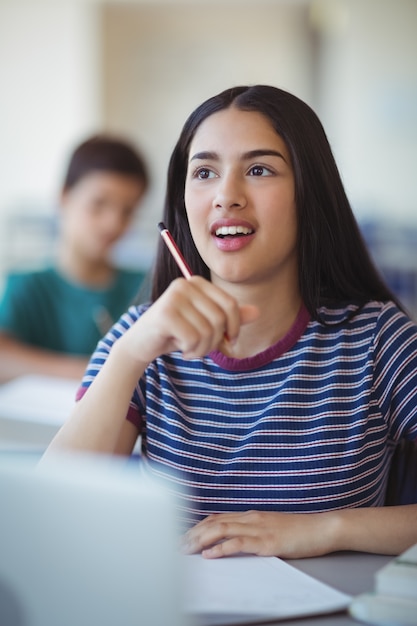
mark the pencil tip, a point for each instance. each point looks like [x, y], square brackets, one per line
[161, 226]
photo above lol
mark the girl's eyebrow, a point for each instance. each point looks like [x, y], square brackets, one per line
[252, 154]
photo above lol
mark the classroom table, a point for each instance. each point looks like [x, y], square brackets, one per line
[350, 572]
[32, 409]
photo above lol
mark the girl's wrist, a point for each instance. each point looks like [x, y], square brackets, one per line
[124, 352]
[335, 531]
[348, 529]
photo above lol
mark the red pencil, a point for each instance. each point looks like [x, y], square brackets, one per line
[174, 250]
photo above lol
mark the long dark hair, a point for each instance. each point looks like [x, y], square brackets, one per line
[333, 260]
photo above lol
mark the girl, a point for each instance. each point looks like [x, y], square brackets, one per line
[275, 382]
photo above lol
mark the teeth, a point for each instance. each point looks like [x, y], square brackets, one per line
[233, 230]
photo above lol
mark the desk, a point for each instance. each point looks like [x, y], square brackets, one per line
[350, 572]
[32, 409]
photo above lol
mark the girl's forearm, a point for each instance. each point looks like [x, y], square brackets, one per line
[380, 530]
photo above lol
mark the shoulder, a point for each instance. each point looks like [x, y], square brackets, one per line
[127, 285]
[24, 296]
[24, 276]
[382, 325]
[390, 322]
[371, 314]
[129, 276]
[23, 280]
[395, 333]
[127, 272]
[374, 325]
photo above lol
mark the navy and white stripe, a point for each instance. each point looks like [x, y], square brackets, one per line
[308, 425]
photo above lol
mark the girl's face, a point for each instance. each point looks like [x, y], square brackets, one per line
[239, 197]
[97, 211]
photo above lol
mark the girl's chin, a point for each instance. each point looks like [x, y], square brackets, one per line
[231, 275]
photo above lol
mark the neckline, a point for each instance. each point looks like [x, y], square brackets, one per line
[272, 352]
[80, 286]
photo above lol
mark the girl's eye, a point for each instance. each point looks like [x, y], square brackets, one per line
[260, 170]
[203, 173]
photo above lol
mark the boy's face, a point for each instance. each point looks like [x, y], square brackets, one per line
[97, 211]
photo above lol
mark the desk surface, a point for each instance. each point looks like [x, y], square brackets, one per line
[350, 572]
[32, 409]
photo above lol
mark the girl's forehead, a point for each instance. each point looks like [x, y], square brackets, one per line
[234, 117]
[232, 127]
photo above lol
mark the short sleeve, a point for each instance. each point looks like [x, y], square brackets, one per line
[15, 302]
[102, 352]
[396, 371]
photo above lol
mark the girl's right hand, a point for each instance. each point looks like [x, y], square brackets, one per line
[193, 316]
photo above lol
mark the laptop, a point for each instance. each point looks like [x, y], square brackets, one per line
[86, 541]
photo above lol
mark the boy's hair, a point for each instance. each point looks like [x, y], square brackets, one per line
[105, 153]
[334, 263]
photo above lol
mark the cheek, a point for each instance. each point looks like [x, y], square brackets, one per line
[198, 201]
[197, 228]
[194, 227]
[192, 209]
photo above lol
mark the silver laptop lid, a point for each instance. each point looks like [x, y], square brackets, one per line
[86, 541]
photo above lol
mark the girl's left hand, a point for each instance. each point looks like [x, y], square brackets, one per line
[286, 535]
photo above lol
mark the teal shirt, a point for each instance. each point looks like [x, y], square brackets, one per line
[45, 310]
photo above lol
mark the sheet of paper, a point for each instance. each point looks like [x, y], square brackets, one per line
[251, 586]
[40, 399]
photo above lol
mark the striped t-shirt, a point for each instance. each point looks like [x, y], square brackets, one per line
[308, 425]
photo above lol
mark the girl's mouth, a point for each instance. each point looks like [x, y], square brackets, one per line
[233, 231]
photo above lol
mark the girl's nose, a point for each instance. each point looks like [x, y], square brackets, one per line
[229, 194]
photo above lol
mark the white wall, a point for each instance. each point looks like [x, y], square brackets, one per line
[369, 102]
[48, 78]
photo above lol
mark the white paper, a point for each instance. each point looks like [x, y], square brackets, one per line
[265, 587]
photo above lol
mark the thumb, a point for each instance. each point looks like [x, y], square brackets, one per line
[248, 313]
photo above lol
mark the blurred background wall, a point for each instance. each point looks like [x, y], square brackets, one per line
[74, 67]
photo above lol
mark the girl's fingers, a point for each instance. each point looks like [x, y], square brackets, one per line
[230, 547]
[215, 529]
[225, 539]
[211, 314]
[232, 316]
[193, 316]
